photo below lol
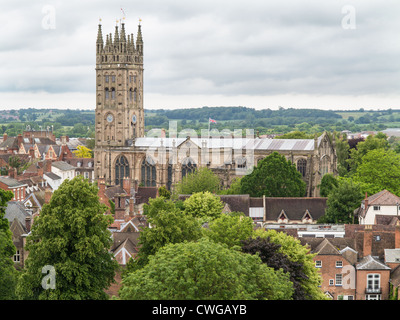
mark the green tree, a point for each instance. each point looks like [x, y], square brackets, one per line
[274, 176]
[71, 235]
[201, 180]
[269, 253]
[328, 182]
[295, 135]
[378, 141]
[230, 229]
[343, 153]
[169, 225]
[379, 169]
[205, 270]
[342, 201]
[299, 254]
[8, 273]
[234, 187]
[203, 205]
[163, 192]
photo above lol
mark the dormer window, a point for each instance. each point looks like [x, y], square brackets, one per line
[377, 208]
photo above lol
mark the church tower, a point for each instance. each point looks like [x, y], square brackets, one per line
[119, 97]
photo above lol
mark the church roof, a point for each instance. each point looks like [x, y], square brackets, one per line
[228, 142]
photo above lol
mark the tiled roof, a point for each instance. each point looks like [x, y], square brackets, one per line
[383, 198]
[326, 248]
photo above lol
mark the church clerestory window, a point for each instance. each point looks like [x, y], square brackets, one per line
[121, 170]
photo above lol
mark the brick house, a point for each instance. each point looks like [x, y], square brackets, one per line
[17, 187]
[335, 282]
[359, 266]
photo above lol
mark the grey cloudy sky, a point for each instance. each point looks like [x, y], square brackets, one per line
[331, 54]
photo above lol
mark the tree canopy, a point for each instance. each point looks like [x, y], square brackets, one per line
[201, 180]
[342, 201]
[205, 270]
[379, 169]
[274, 176]
[8, 273]
[71, 237]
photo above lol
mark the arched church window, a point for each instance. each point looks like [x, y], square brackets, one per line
[149, 174]
[107, 93]
[302, 166]
[324, 165]
[188, 166]
[121, 169]
[241, 162]
[135, 95]
[169, 182]
[112, 93]
[130, 94]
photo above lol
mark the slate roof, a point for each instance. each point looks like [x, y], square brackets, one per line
[53, 176]
[62, 165]
[16, 210]
[11, 183]
[233, 143]
[371, 263]
[294, 208]
[392, 255]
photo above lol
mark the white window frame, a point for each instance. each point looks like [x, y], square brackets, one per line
[331, 282]
[339, 264]
[338, 280]
[373, 282]
[318, 264]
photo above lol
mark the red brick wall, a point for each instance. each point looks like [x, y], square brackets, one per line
[362, 283]
[329, 270]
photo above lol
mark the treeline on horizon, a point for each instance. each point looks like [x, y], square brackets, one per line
[80, 123]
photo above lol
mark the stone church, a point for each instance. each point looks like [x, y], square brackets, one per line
[123, 150]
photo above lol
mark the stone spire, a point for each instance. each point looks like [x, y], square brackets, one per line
[116, 37]
[99, 41]
[139, 41]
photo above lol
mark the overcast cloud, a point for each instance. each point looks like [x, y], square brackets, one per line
[252, 53]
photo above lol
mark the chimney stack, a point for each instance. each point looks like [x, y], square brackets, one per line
[12, 173]
[28, 223]
[19, 140]
[47, 165]
[32, 153]
[126, 185]
[119, 200]
[5, 137]
[47, 195]
[397, 236]
[367, 244]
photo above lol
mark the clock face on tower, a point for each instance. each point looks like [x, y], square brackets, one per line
[134, 119]
[110, 118]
